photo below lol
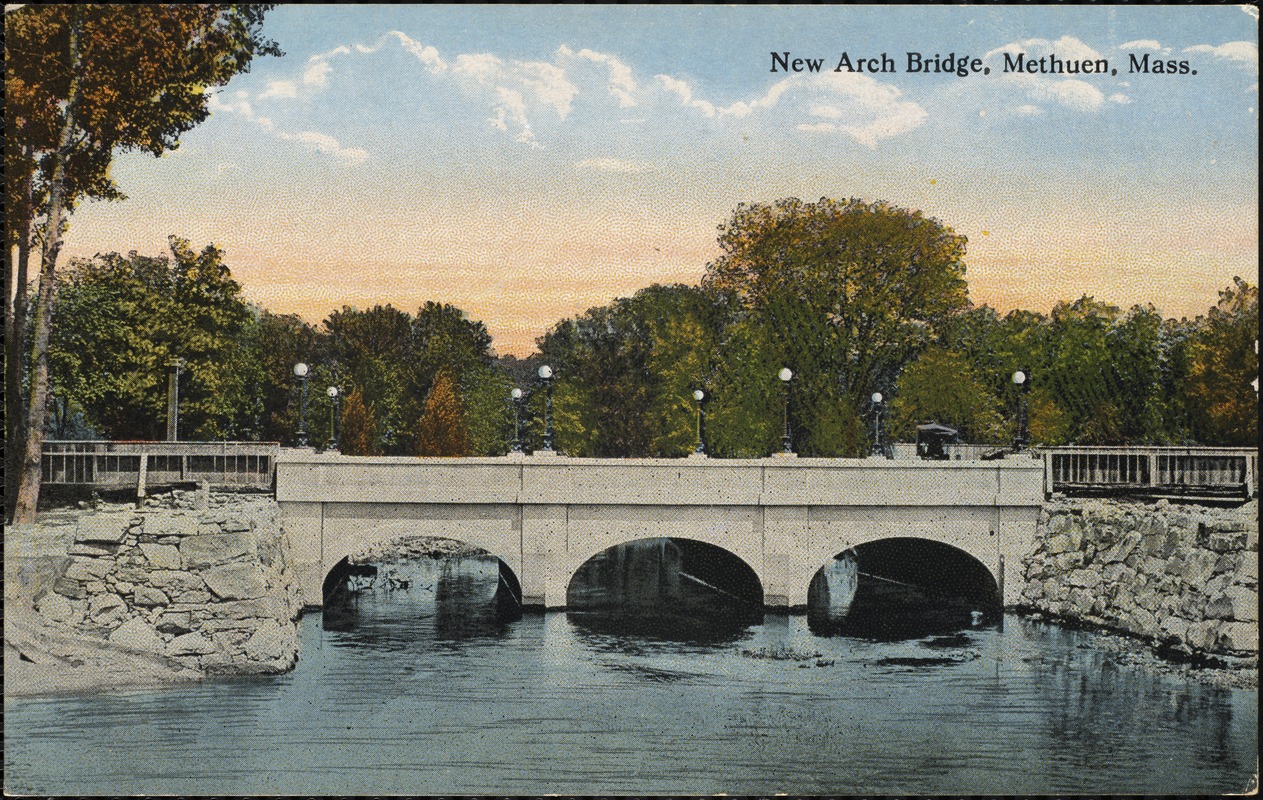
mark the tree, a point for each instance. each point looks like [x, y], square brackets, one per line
[941, 386]
[1223, 361]
[124, 318]
[849, 291]
[358, 427]
[441, 431]
[81, 82]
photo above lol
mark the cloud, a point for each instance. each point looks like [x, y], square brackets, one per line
[1028, 111]
[1067, 48]
[620, 82]
[324, 143]
[1145, 44]
[279, 89]
[315, 142]
[1246, 53]
[1120, 98]
[612, 165]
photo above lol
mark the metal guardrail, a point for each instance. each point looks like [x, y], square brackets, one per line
[1231, 471]
[119, 465]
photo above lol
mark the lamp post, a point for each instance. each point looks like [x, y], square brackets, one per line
[700, 397]
[786, 375]
[173, 398]
[300, 372]
[1022, 380]
[546, 375]
[516, 394]
[333, 418]
[877, 448]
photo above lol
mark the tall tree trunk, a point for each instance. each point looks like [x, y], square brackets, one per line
[17, 301]
[24, 507]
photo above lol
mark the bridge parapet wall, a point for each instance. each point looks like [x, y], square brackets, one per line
[545, 516]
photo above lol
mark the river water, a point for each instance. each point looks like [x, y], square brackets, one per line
[427, 689]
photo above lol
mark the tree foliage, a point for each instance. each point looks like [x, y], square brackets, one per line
[358, 427]
[441, 431]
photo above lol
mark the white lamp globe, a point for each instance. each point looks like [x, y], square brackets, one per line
[545, 372]
[333, 391]
[786, 374]
[698, 395]
[876, 397]
[516, 394]
[300, 370]
[1019, 377]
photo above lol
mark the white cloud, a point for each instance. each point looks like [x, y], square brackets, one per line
[1067, 48]
[1028, 111]
[313, 141]
[620, 82]
[279, 89]
[1120, 98]
[317, 73]
[1145, 44]
[612, 165]
[324, 143]
[1246, 53]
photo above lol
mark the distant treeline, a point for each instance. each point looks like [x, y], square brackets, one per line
[853, 297]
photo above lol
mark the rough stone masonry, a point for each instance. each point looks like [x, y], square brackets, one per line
[1184, 577]
[201, 580]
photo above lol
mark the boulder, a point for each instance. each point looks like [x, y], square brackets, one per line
[57, 608]
[1235, 603]
[83, 568]
[1239, 637]
[108, 528]
[1085, 578]
[235, 581]
[102, 603]
[269, 642]
[70, 588]
[136, 634]
[94, 549]
[177, 622]
[161, 556]
[175, 580]
[148, 597]
[190, 644]
[207, 551]
[172, 525]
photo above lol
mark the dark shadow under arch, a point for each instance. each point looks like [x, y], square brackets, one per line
[902, 587]
[667, 587]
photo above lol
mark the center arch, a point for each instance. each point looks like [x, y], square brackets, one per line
[670, 584]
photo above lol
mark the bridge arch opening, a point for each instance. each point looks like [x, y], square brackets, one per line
[665, 587]
[902, 588]
[418, 587]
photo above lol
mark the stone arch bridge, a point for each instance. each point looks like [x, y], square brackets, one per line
[544, 516]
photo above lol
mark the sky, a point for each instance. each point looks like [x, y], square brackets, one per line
[528, 163]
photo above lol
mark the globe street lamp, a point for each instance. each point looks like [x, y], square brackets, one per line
[516, 394]
[1022, 380]
[877, 448]
[173, 398]
[700, 397]
[786, 375]
[333, 418]
[546, 375]
[300, 372]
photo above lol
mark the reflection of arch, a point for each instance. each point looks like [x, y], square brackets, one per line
[702, 563]
[339, 551]
[938, 566]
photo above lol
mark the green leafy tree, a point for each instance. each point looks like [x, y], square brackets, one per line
[126, 318]
[941, 386]
[358, 427]
[1222, 363]
[849, 291]
[441, 431]
[81, 82]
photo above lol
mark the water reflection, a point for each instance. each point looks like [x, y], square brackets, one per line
[900, 589]
[405, 602]
[666, 589]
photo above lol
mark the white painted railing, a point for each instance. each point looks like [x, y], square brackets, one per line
[118, 465]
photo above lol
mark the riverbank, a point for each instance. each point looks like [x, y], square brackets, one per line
[1175, 586]
[114, 597]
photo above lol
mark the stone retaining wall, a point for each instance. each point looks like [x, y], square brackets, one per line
[201, 579]
[1183, 576]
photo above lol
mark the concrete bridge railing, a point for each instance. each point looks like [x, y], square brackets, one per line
[545, 516]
